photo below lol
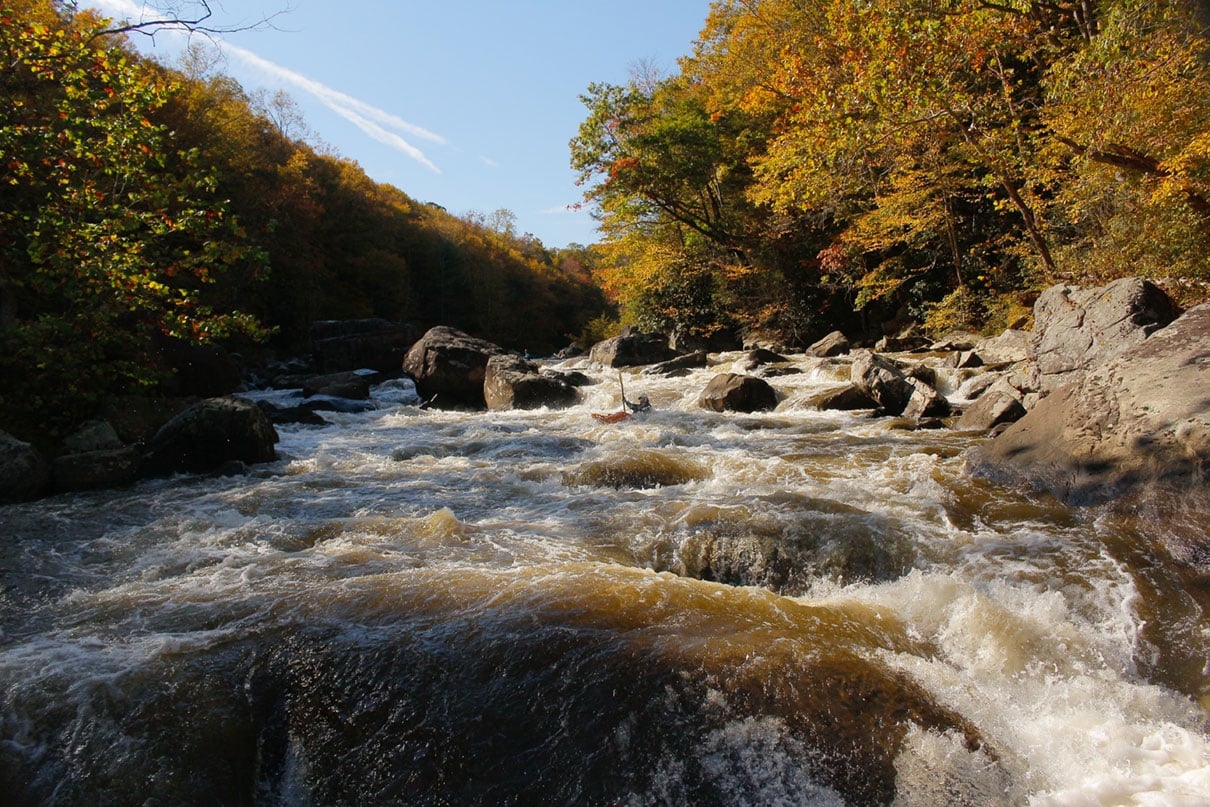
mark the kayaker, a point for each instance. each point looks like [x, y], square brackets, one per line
[642, 405]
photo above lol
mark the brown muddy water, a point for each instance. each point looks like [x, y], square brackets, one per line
[692, 608]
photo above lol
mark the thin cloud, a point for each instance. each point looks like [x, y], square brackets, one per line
[376, 123]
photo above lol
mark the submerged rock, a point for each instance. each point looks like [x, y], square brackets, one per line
[646, 468]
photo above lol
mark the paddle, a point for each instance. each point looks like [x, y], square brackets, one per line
[623, 387]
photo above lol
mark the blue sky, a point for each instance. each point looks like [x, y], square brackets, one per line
[466, 103]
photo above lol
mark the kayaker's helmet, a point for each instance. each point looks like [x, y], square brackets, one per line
[643, 398]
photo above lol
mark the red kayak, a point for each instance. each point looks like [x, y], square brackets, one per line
[612, 417]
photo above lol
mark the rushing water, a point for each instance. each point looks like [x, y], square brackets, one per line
[425, 607]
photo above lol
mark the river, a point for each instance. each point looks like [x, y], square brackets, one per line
[688, 608]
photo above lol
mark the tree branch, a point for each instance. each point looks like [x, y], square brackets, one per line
[172, 18]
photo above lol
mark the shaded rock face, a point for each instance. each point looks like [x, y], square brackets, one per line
[340, 385]
[24, 473]
[1140, 420]
[95, 470]
[737, 393]
[511, 382]
[378, 344]
[449, 367]
[882, 380]
[209, 434]
[631, 350]
[1076, 330]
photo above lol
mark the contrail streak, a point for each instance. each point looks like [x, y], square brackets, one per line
[376, 123]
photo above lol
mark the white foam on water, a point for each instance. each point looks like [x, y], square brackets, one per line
[1053, 690]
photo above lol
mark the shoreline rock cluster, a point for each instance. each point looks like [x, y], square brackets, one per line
[1108, 394]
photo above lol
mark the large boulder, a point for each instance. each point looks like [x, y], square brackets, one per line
[24, 473]
[1140, 420]
[449, 367]
[378, 344]
[738, 393]
[1077, 330]
[834, 344]
[511, 382]
[881, 379]
[210, 434]
[846, 397]
[925, 402]
[631, 350]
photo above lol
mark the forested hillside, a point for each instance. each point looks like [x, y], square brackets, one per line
[822, 163]
[141, 202]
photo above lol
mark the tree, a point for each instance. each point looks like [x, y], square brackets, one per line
[108, 234]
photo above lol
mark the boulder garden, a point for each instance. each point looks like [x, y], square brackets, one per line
[449, 368]
[210, 434]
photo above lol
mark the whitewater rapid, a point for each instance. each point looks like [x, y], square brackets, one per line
[426, 607]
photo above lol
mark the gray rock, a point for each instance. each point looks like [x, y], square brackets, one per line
[680, 364]
[24, 473]
[631, 350]
[1140, 420]
[844, 398]
[1009, 347]
[94, 470]
[449, 367]
[881, 379]
[352, 385]
[209, 434]
[973, 387]
[1077, 330]
[759, 357]
[925, 402]
[998, 405]
[93, 435]
[737, 393]
[511, 382]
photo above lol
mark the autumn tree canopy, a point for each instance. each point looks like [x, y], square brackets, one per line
[939, 158]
